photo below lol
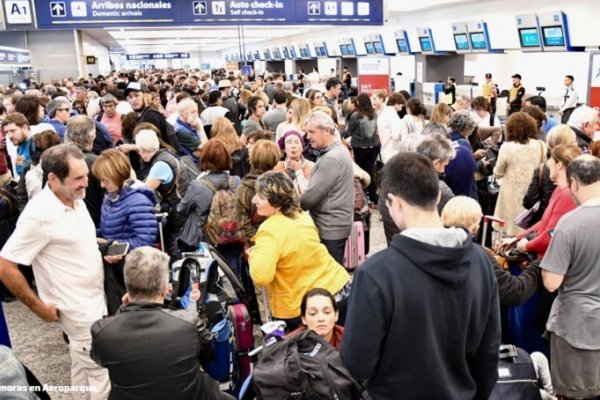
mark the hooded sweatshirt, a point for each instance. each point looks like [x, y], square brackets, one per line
[423, 319]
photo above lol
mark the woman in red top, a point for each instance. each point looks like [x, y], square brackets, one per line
[560, 203]
[320, 313]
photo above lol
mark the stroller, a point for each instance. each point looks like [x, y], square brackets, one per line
[203, 281]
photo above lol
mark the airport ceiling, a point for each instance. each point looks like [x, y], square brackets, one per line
[213, 38]
[217, 38]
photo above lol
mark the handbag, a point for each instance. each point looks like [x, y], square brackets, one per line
[526, 218]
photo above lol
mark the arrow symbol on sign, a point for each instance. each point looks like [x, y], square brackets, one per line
[200, 8]
[58, 8]
[314, 8]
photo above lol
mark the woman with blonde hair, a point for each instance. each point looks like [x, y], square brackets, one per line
[128, 214]
[537, 238]
[541, 190]
[465, 212]
[296, 114]
[224, 131]
[441, 114]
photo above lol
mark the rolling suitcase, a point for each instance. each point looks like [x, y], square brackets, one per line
[517, 379]
[242, 323]
[354, 253]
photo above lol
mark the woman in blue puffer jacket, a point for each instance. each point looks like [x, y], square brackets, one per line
[127, 214]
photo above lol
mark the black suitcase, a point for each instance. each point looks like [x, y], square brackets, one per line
[517, 379]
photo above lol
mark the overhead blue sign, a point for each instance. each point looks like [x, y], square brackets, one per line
[126, 13]
[157, 56]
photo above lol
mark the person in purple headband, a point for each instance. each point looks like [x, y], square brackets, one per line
[294, 164]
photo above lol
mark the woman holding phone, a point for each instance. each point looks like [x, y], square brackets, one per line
[127, 219]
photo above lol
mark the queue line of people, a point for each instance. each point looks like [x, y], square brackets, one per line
[328, 193]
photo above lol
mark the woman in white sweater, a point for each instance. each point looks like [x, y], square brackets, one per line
[389, 124]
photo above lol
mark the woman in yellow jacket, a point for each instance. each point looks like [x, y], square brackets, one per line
[288, 257]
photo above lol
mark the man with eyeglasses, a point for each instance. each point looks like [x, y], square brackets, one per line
[59, 112]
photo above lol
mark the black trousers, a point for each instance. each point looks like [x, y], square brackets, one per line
[365, 158]
[566, 114]
[336, 249]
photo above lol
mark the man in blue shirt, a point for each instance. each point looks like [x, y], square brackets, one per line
[16, 129]
[59, 111]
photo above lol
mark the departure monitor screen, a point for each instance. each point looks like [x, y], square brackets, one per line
[529, 37]
[461, 41]
[401, 43]
[553, 36]
[378, 47]
[350, 48]
[343, 49]
[425, 43]
[293, 53]
[370, 48]
[478, 41]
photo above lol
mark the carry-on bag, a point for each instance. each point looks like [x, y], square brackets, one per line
[354, 252]
[517, 379]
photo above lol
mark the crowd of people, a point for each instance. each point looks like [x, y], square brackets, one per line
[270, 172]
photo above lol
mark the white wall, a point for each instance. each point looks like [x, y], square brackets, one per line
[53, 53]
[91, 47]
[537, 69]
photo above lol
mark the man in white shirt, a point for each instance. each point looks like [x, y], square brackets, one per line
[570, 99]
[55, 234]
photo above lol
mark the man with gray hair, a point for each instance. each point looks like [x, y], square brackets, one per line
[460, 173]
[81, 131]
[59, 112]
[56, 236]
[152, 351]
[435, 145]
[572, 266]
[584, 122]
[330, 193]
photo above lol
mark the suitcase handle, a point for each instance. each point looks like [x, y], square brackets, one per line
[490, 218]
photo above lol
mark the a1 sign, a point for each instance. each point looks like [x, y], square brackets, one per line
[17, 12]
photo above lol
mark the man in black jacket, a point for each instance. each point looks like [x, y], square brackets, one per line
[423, 318]
[151, 351]
[146, 113]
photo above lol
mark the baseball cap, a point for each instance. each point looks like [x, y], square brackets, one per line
[133, 87]
[516, 76]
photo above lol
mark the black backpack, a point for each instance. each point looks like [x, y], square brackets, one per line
[517, 379]
[303, 367]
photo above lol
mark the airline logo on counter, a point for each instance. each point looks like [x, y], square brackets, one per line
[69, 14]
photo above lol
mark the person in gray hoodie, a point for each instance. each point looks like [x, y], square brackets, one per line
[329, 196]
[423, 316]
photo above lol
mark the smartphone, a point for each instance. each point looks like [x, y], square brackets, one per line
[118, 249]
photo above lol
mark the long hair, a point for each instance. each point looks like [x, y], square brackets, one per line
[224, 130]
